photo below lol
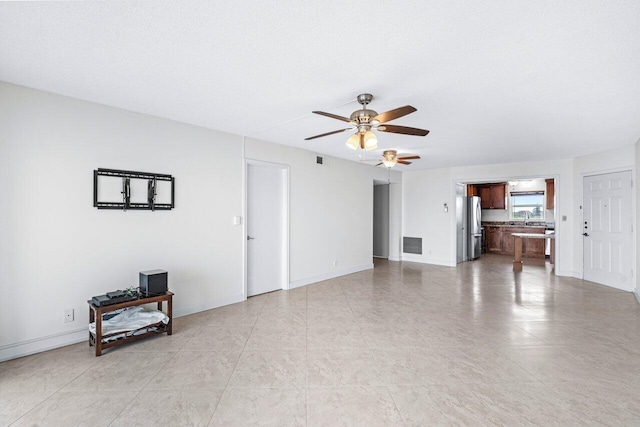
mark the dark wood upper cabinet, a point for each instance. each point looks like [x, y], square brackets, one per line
[499, 196]
[485, 197]
[550, 193]
[492, 196]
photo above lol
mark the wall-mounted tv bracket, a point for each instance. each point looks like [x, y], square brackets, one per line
[127, 176]
[126, 192]
[151, 193]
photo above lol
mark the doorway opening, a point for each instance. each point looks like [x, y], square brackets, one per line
[381, 219]
[525, 205]
[267, 227]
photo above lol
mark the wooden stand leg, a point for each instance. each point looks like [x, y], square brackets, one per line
[170, 315]
[99, 334]
[92, 317]
[517, 262]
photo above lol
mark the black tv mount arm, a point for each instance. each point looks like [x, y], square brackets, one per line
[152, 179]
[151, 193]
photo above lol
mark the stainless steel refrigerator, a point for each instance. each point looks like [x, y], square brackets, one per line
[474, 227]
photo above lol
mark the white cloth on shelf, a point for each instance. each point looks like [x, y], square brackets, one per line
[130, 319]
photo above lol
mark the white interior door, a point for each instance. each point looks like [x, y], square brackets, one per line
[266, 228]
[608, 229]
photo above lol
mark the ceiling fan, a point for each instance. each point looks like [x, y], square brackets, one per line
[365, 121]
[390, 158]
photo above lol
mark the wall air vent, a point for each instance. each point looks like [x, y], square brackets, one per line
[412, 245]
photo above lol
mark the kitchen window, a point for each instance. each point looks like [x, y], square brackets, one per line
[527, 205]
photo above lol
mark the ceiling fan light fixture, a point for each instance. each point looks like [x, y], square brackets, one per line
[364, 120]
[389, 163]
[354, 141]
[370, 141]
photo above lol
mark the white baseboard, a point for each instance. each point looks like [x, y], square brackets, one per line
[563, 273]
[208, 305]
[637, 294]
[37, 345]
[432, 261]
[394, 258]
[576, 274]
[62, 339]
[329, 275]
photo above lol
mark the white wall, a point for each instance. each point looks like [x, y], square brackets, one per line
[423, 196]
[331, 211]
[637, 193]
[562, 171]
[395, 218]
[424, 193]
[57, 250]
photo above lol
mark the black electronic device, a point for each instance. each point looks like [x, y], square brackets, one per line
[102, 300]
[153, 282]
[116, 294]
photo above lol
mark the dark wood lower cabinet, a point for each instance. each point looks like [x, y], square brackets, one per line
[500, 241]
[494, 239]
[534, 248]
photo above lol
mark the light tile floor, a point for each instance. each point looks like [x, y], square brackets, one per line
[402, 345]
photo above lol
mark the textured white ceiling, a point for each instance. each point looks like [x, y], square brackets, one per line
[494, 81]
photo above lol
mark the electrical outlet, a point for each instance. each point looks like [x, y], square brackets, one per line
[68, 315]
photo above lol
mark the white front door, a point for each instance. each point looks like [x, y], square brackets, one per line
[266, 228]
[608, 230]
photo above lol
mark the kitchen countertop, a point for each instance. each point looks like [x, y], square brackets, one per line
[534, 236]
[518, 224]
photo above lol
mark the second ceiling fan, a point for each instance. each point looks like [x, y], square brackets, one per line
[364, 121]
[390, 159]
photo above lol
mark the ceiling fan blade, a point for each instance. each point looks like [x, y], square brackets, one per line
[387, 116]
[379, 164]
[326, 134]
[403, 162]
[404, 130]
[408, 158]
[333, 116]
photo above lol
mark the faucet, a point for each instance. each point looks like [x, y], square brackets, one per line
[526, 217]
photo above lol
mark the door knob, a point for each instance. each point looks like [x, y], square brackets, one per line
[250, 238]
[585, 234]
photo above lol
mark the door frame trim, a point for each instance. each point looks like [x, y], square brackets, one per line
[285, 229]
[583, 175]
